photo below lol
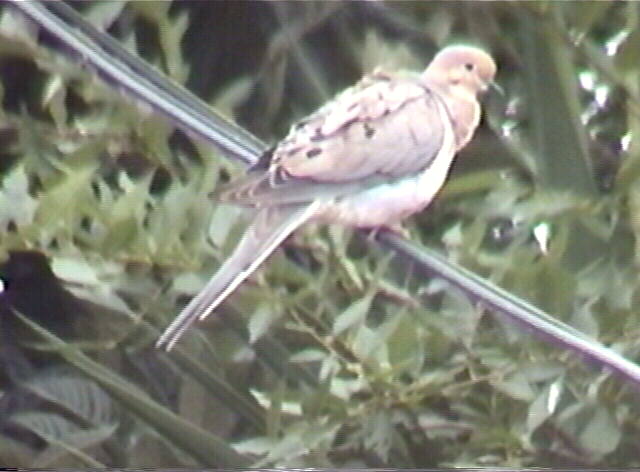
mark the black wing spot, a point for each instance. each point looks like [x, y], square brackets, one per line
[265, 160]
[300, 124]
[369, 131]
[317, 136]
[311, 153]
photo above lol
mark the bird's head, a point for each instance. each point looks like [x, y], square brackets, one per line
[468, 69]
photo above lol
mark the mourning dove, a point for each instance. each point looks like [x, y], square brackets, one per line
[377, 153]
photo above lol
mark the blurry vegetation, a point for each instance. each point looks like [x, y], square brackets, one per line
[334, 355]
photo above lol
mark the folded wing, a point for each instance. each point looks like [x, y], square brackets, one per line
[379, 130]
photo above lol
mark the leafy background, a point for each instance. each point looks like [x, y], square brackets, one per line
[334, 354]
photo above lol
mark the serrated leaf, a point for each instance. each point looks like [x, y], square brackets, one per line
[125, 216]
[354, 314]
[49, 426]
[63, 203]
[78, 396]
[458, 318]
[405, 345]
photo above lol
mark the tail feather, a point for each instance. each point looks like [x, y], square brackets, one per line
[270, 227]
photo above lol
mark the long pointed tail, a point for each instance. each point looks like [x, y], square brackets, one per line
[270, 227]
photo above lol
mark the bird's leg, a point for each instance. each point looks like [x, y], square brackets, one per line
[395, 228]
[399, 229]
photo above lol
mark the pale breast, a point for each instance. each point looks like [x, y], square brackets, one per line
[391, 202]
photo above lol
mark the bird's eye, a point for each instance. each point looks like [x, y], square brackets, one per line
[469, 66]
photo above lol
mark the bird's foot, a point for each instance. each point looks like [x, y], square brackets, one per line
[400, 230]
[395, 228]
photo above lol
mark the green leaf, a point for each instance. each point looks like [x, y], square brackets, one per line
[544, 405]
[219, 387]
[74, 445]
[557, 135]
[602, 434]
[377, 432]
[63, 204]
[124, 218]
[17, 27]
[80, 397]
[63, 437]
[369, 345]
[55, 95]
[205, 447]
[308, 355]
[354, 314]
[517, 386]
[49, 426]
[74, 269]
[260, 320]
[103, 14]
[223, 219]
[541, 371]
[627, 58]
[17, 206]
[406, 344]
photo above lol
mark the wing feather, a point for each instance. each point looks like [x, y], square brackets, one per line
[379, 131]
[269, 228]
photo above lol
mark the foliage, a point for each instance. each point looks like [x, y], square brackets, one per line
[335, 354]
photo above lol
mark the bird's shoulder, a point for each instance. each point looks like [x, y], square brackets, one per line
[320, 146]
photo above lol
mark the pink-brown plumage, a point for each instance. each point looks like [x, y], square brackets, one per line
[377, 153]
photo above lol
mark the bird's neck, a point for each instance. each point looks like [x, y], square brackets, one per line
[463, 107]
[466, 116]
